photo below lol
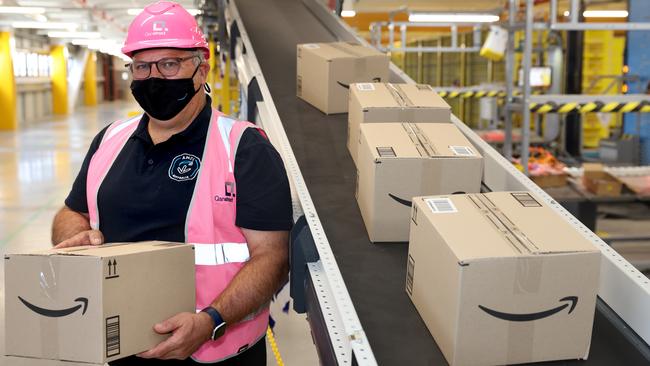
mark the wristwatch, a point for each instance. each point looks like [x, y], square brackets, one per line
[219, 324]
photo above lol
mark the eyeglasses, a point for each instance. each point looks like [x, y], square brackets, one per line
[168, 66]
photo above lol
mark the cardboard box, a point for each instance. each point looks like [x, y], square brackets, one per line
[500, 278]
[95, 304]
[399, 161]
[597, 181]
[550, 180]
[386, 102]
[326, 70]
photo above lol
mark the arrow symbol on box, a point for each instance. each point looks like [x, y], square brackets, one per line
[571, 301]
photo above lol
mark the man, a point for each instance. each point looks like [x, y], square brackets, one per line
[183, 172]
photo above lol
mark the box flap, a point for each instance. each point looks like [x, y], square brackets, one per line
[335, 50]
[500, 224]
[105, 250]
[390, 95]
[417, 140]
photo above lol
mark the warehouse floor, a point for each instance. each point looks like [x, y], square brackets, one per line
[38, 165]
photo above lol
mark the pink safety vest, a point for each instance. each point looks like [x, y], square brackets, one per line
[220, 246]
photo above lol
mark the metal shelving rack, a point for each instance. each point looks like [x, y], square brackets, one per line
[521, 104]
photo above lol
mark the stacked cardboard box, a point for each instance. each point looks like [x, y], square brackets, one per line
[95, 304]
[326, 70]
[500, 278]
[398, 161]
[386, 102]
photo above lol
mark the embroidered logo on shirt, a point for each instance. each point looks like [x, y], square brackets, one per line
[229, 193]
[184, 167]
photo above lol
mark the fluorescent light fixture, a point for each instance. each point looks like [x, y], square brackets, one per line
[44, 25]
[21, 10]
[136, 11]
[40, 17]
[605, 13]
[92, 35]
[453, 18]
[348, 13]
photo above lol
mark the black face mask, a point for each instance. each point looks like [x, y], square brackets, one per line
[163, 99]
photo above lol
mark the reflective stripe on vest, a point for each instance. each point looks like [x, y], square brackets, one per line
[216, 254]
[221, 249]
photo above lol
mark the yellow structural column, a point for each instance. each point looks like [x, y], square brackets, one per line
[59, 80]
[8, 119]
[225, 87]
[213, 71]
[90, 80]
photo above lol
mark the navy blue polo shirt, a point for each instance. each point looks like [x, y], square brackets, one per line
[146, 193]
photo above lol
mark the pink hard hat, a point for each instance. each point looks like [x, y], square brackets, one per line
[164, 24]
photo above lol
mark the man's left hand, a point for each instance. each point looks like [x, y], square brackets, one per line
[189, 332]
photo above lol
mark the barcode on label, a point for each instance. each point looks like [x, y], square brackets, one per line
[365, 87]
[386, 152]
[423, 87]
[526, 199]
[410, 268]
[462, 150]
[441, 205]
[310, 46]
[113, 336]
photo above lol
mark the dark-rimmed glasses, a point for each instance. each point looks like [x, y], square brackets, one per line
[167, 67]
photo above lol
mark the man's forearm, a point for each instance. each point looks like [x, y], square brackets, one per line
[252, 287]
[68, 223]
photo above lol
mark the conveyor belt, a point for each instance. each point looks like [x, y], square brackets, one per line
[374, 273]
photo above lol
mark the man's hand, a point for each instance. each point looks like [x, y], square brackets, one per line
[189, 332]
[88, 237]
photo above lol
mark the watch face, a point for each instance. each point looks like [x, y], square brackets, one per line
[218, 331]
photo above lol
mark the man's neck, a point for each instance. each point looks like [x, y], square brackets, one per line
[161, 131]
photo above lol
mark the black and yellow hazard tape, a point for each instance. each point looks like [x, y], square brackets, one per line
[451, 94]
[590, 107]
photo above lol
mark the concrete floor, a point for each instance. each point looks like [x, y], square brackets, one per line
[38, 165]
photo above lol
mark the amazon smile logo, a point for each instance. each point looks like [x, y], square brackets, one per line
[571, 302]
[57, 313]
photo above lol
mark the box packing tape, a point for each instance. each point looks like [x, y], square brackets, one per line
[421, 141]
[408, 113]
[519, 241]
[526, 280]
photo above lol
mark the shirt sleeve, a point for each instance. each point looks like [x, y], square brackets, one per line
[263, 193]
[76, 199]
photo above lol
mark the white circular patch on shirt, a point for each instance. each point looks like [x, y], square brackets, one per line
[184, 167]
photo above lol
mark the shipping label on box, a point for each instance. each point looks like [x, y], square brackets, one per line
[399, 161]
[325, 71]
[501, 278]
[95, 304]
[388, 102]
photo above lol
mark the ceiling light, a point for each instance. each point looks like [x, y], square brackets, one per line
[93, 35]
[44, 25]
[136, 11]
[21, 10]
[605, 13]
[40, 17]
[348, 13]
[566, 13]
[453, 18]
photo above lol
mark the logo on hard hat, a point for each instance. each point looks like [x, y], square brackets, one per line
[159, 28]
